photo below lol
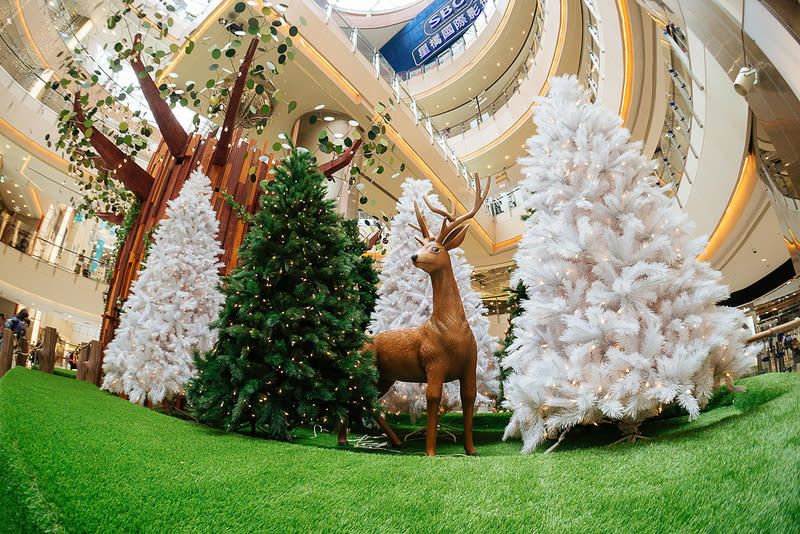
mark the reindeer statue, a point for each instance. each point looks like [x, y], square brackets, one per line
[441, 349]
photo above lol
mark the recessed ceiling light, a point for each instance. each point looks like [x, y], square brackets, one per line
[488, 166]
[506, 157]
[498, 63]
[329, 118]
[320, 106]
[352, 122]
[16, 185]
[763, 259]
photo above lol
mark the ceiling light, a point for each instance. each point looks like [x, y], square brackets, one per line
[8, 146]
[488, 166]
[328, 118]
[16, 185]
[763, 259]
[506, 157]
[352, 122]
[320, 106]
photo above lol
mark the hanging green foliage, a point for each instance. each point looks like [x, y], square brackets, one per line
[119, 111]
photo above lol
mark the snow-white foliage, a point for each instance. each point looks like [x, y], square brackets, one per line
[167, 314]
[621, 316]
[405, 299]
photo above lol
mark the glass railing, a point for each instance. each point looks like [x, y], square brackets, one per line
[59, 256]
[675, 142]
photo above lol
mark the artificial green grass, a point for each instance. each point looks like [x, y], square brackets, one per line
[68, 373]
[75, 459]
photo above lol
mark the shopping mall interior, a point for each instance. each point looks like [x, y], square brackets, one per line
[710, 90]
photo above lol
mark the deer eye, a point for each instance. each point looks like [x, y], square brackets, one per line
[434, 249]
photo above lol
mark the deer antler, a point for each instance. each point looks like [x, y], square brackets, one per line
[423, 225]
[451, 222]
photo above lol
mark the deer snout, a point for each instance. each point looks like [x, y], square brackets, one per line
[414, 258]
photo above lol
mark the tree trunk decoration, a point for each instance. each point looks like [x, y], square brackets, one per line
[47, 354]
[89, 364]
[6, 351]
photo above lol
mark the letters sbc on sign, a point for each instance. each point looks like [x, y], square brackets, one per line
[435, 21]
[444, 26]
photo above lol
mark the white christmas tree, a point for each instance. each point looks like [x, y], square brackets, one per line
[405, 299]
[620, 317]
[171, 304]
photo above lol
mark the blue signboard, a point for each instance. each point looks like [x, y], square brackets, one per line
[430, 33]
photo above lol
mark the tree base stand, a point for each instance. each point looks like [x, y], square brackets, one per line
[630, 432]
[557, 443]
[421, 433]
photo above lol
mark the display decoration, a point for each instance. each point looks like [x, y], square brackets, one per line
[405, 299]
[621, 317]
[443, 348]
[172, 302]
[292, 328]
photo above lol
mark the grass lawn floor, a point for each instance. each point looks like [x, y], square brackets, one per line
[76, 459]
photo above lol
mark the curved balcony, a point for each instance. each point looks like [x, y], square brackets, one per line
[50, 287]
[510, 121]
[459, 119]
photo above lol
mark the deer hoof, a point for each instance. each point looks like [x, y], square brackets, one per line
[343, 444]
[473, 453]
[400, 446]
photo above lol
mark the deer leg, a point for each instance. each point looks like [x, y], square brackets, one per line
[468, 392]
[433, 398]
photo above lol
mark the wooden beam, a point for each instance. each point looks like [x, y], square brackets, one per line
[374, 239]
[342, 161]
[221, 153]
[124, 169]
[113, 218]
[172, 132]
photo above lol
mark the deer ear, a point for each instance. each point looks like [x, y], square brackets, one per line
[455, 238]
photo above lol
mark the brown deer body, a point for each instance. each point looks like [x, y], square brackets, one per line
[443, 348]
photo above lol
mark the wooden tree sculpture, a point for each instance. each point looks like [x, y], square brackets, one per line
[443, 348]
[233, 164]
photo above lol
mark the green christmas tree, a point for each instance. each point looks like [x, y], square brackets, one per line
[515, 296]
[292, 327]
[365, 277]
